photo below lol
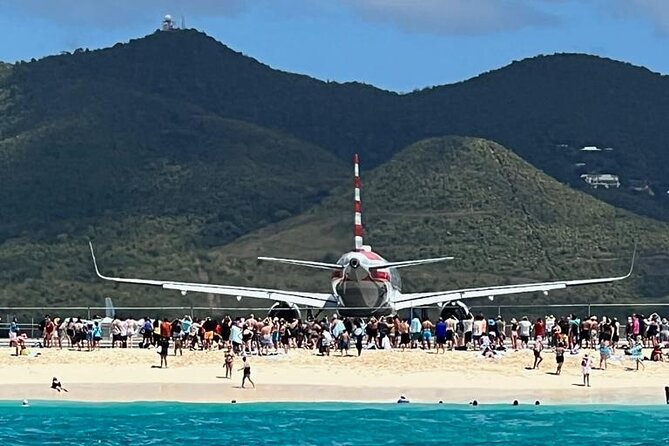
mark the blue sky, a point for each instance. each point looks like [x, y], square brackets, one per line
[394, 44]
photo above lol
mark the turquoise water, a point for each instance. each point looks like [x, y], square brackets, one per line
[329, 424]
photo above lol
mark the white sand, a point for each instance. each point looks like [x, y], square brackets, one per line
[454, 377]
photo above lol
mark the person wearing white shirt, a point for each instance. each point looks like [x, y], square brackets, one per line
[524, 328]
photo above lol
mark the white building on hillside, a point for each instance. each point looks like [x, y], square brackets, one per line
[606, 180]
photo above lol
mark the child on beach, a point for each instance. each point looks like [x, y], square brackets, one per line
[586, 365]
[637, 353]
[604, 353]
[538, 348]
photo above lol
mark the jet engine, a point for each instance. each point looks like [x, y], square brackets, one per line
[455, 308]
[284, 310]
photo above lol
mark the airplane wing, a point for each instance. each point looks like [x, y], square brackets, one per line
[419, 299]
[317, 300]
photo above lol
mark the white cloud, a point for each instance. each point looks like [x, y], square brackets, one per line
[456, 16]
[654, 11]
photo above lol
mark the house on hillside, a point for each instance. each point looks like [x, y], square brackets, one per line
[641, 186]
[606, 180]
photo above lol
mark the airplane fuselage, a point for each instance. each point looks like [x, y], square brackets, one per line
[363, 289]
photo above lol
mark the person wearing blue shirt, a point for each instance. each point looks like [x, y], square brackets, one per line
[96, 334]
[440, 334]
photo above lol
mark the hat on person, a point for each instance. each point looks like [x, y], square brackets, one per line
[593, 318]
[513, 320]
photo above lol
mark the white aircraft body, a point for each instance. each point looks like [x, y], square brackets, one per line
[362, 282]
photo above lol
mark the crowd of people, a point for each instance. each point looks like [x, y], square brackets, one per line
[267, 335]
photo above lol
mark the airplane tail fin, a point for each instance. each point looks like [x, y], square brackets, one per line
[357, 206]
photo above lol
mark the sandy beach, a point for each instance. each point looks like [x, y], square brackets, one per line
[377, 376]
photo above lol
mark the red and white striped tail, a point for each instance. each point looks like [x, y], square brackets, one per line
[357, 207]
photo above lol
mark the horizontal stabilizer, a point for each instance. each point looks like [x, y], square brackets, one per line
[306, 263]
[411, 263]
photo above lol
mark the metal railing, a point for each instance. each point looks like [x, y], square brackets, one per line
[29, 317]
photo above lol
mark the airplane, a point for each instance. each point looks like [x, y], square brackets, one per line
[362, 282]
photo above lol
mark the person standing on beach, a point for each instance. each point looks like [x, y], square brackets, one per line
[636, 352]
[229, 361]
[164, 345]
[177, 336]
[514, 333]
[586, 366]
[538, 348]
[414, 329]
[344, 342]
[247, 372]
[604, 353]
[559, 357]
[451, 329]
[440, 334]
[467, 325]
[524, 327]
[357, 334]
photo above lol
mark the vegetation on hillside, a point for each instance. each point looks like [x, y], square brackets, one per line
[169, 148]
[531, 106]
[503, 220]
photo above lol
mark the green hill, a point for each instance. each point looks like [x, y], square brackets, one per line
[503, 220]
[531, 106]
[169, 148]
[158, 201]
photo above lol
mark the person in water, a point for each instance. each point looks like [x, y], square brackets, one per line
[247, 372]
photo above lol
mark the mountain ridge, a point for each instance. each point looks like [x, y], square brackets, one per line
[166, 152]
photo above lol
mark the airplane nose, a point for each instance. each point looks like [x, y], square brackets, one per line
[354, 263]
